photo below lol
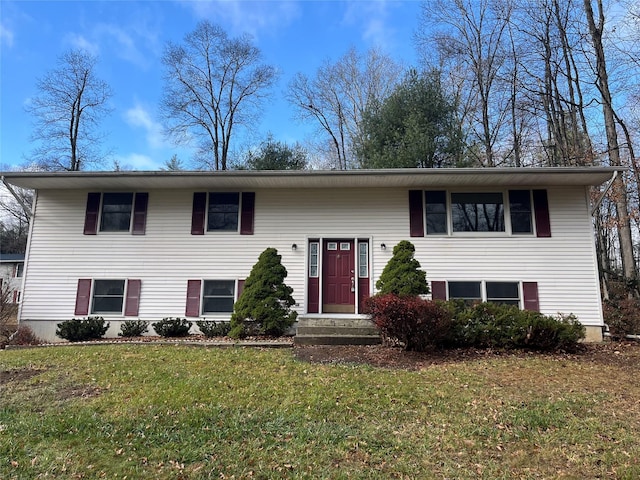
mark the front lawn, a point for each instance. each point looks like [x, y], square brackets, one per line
[151, 411]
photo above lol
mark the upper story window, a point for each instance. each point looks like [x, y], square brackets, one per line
[223, 212]
[116, 212]
[514, 212]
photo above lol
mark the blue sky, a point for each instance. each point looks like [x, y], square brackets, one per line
[128, 37]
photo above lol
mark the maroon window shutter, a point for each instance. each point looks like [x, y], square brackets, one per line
[416, 214]
[198, 214]
[133, 298]
[83, 296]
[140, 213]
[240, 288]
[541, 208]
[439, 290]
[193, 298]
[530, 294]
[248, 212]
[91, 214]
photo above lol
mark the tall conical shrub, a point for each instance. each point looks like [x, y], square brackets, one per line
[265, 304]
[402, 274]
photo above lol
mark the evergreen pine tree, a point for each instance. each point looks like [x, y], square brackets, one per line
[265, 304]
[402, 274]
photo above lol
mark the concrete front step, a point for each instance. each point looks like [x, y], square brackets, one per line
[336, 331]
[322, 330]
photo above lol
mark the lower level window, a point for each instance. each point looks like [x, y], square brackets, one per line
[218, 296]
[467, 291]
[108, 296]
[503, 292]
[494, 292]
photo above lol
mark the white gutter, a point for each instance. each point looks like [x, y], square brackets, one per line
[604, 193]
[26, 209]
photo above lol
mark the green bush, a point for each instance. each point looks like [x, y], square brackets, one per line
[492, 325]
[79, 330]
[402, 275]
[133, 328]
[214, 329]
[172, 327]
[265, 304]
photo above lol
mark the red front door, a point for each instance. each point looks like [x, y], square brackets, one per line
[338, 277]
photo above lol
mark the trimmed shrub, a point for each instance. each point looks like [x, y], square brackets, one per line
[172, 327]
[411, 321]
[133, 328]
[214, 329]
[492, 325]
[402, 275]
[265, 304]
[79, 330]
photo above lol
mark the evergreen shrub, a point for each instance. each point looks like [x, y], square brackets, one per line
[214, 329]
[172, 327]
[402, 274]
[79, 330]
[264, 308]
[133, 328]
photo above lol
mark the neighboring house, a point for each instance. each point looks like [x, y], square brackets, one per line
[11, 270]
[148, 245]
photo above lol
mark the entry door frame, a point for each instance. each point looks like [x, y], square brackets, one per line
[314, 291]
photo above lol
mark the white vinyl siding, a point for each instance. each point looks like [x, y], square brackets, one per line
[167, 256]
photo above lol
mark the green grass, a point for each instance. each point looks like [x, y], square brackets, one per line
[179, 412]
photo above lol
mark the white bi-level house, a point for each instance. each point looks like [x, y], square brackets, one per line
[148, 245]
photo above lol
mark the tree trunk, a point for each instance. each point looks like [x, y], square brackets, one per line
[619, 186]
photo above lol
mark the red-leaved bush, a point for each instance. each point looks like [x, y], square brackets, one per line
[411, 321]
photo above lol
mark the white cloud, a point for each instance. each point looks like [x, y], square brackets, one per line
[246, 17]
[81, 43]
[6, 36]
[138, 116]
[371, 18]
[136, 161]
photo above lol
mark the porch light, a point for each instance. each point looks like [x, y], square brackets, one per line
[383, 246]
[294, 247]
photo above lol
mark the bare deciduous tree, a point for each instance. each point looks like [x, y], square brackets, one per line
[213, 84]
[70, 104]
[339, 94]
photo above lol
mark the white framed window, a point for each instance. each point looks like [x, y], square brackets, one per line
[313, 259]
[19, 269]
[345, 246]
[485, 291]
[223, 212]
[363, 259]
[218, 296]
[115, 213]
[497, 212]
[108, 297]
[332, 246]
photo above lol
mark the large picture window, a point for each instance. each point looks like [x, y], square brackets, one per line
[218, 296]
[223, 212]
[445, 212]
[477, 212]
[108, 296]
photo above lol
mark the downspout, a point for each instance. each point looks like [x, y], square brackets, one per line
[603, 194]
[27, 210]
